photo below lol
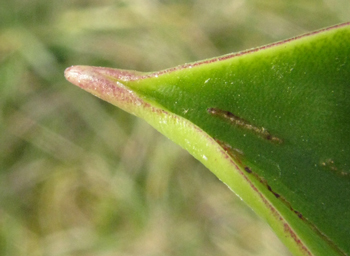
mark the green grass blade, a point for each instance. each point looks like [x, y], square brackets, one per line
[272, 123]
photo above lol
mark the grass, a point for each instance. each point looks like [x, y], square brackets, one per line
[81, 177]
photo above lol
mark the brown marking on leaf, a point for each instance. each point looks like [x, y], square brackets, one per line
[299, 214]
[330, 165]
[241, 123]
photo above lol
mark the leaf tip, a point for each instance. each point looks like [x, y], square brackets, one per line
[105, 83]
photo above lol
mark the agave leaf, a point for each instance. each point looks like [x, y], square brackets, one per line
[273, 123]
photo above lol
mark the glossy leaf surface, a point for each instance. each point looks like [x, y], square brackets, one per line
[272, 123]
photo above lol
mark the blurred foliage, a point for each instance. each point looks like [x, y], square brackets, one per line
[81, 177]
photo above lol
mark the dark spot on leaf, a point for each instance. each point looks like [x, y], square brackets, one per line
[247, 169]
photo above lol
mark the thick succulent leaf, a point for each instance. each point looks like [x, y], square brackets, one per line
[273, 123]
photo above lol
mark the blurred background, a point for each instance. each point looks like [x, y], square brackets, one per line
[79, 176]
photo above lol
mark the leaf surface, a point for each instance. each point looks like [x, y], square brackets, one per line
[273, 123]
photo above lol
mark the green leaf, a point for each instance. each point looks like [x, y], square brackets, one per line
[273, 123]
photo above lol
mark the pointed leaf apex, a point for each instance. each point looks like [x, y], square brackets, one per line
[106, 83]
